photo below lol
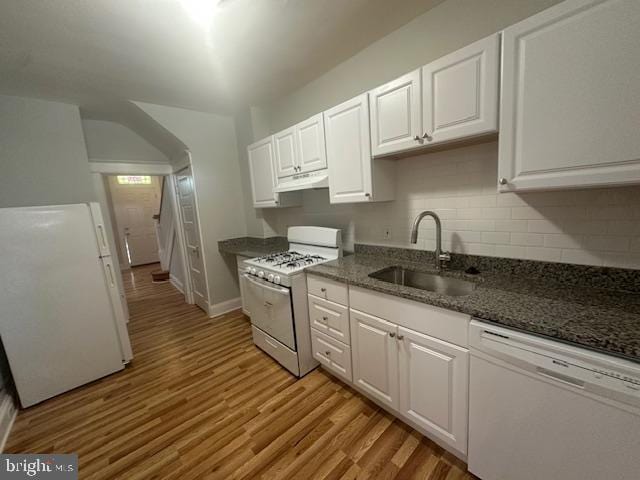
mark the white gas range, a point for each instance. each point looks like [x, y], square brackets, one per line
[276, 294]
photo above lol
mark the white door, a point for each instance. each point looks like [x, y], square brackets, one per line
[191, 229]
[134, 206]
[312, 152]
[286, 152]
[571, 97]
[349, 151]
[374, 349]
[433, 386]
[460, 92]
[396, 112]
[263, 178]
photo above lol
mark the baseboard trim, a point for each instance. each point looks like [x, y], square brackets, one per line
[8, 412]
[221, 308]
[176, 283]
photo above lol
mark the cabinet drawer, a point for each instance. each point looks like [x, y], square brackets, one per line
[335, 356]
[285, 356]
[328, 289]
[329, 318]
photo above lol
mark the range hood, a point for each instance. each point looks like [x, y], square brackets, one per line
[303, 181]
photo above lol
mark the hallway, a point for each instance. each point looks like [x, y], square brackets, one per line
[201, 401]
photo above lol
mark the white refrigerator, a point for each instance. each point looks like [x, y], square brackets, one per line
[62, 322]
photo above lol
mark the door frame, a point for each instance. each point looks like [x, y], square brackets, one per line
[105, 169]
[183, 162]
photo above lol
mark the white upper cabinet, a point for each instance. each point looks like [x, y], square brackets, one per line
[570, 111]
[353, 175]
[286, 152]
[396, 115]
[460, 93]
[263, 178]
[434, 377]
[312, 152]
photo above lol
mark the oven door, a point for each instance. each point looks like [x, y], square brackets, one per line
[270, 307]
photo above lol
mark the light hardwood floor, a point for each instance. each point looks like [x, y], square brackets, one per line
[201, 401]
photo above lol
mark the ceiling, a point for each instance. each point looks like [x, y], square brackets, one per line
[210, 55]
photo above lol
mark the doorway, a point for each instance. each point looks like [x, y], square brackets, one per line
[136, 200]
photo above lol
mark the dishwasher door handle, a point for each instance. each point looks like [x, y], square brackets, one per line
[559, 377]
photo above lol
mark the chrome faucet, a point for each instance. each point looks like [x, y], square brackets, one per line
[441, 257]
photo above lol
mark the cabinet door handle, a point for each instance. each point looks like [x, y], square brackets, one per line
[400, 337]
[417, 138]
[326, 319]
[392, 334]
[503, 181]
[327, 352]
[426, 136]
[323, 290]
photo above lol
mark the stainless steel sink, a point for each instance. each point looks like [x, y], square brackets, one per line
[424, 281]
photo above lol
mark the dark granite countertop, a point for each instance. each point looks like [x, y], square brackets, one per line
[253, 246]
[604, 320]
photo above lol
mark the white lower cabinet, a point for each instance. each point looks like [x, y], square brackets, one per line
[434, 377]
[375, 357]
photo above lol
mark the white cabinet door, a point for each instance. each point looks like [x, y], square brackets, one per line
[570, 106]
[286, 152]
[396, 111]
[434, 386]
[375, 357]
[312, 152]
[460, 92]
[349, 151]
[263, 179]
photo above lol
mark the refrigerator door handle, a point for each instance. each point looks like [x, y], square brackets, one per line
[110, 272]
[103, 240]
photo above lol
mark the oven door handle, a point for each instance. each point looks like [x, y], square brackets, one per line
[281, 291]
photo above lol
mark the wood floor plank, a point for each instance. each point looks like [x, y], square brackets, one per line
[200, 401]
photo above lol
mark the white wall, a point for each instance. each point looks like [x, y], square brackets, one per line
[111, 141]
[211, 139]
[594, 227]
[42, 154]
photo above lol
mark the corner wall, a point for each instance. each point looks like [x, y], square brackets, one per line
[211, 139]
[42, 153]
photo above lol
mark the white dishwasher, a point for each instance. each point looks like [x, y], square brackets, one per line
[544, 410]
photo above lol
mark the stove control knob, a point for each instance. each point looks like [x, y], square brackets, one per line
[247, 269]
[260, 274]
[270, 277]
[276, 279]
[253, 271]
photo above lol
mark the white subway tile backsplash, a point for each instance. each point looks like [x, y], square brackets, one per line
[591, 226]
[526, 213]
[582, 257]
[527, 239]
[511, 226]
[563, 241]
[496, 238]
[544, 254]
[608, 243]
